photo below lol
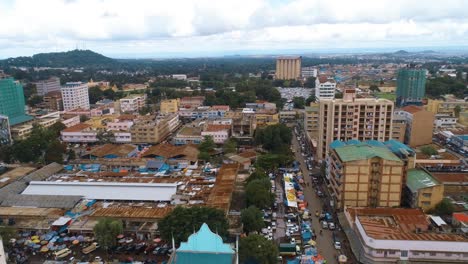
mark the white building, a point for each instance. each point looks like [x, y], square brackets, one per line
[398, 235]
[132, 103]
[46, 86]
[219, 133]
[445, 121]
[182, 77]
[308, 72]
[325, 88]
[75, 95]
[81, 133]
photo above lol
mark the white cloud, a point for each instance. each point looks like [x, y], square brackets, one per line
[115, 26]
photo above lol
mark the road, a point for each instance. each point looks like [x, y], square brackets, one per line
[325, 241]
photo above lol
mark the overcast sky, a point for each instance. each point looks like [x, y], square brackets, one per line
[123, 28]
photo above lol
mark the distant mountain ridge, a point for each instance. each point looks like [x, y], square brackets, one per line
[73, 58]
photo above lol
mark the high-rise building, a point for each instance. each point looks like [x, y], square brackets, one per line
[5, 134]
[364, 174]
[324, 88]
[75, 95]
[12, 101]
[132, 103]
[288, 68]
[46, 86]
[411, 86]
[419, 125]
[53, 100]
[307, 72]
[353, 118]
[311, 122]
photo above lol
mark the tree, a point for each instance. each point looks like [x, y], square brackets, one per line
[374, 88]
[205, 156]
[83, 118]
[310, 82]
[7, 233]
[258, 193]
[257, 249]
[252, 220]
[207, 145]
[34, 100]
[182, 222]
[275, 138]
[106, 231]
[457, 110]
[259, 173]
[57, 128]
[55, 152]
[444, 207]
[429, 150]
[230, 146]
[299, 102]
[273, 161]
[6, 153]
[311, 99]
[105, 136]
[95, 94]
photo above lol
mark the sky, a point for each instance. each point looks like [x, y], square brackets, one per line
[165, 28]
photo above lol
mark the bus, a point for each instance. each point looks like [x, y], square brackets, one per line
[62, 253]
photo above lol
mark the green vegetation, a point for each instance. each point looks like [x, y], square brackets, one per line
[252, 219]
[310, 99]
[258, 174]
[257, 249]
[389, 96]
[106, 231]
[374, 88]
[206, 147]
[273, 161]
[7, 233]
[258, 193]
[275, 138]
[457, 110]
[429, 150]
[445, 207]
[445, 85]
[42, 146]
[299, 102]
[230, 146]
[34, 100]
[182, 222]
[310, 82]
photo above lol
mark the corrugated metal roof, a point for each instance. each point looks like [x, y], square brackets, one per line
[363, 152]
[106, 190]
[418, 179]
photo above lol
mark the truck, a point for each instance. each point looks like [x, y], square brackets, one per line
[287, 249]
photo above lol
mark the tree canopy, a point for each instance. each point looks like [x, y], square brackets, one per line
[257, 249]
[182, 222]
[230, 146]
[444, 207]
[445, 85]
[429, 150]
[252, 220]
[206, 147]
[275, 138]
[106, 231]
[258, 193]
[299, 102]
[271, 161]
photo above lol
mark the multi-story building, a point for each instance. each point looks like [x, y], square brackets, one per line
[132, 103]
[53, 100]
[419, 125]
[266, 119]
[411, 86]
[182, 77]
[219, 133]
[154, 130]
[46, 86]
[353, 118]
[364, 174]
[444, 121]
[311, 121]
[201, 112]
[81, 133]
[288, 68]
[5, 134]
[422, 190]
[324, 88]
[243, 124]
[308, 72]
[192, 102]
[398, 128]
[189, 134]
[75, 95]
[288, 116]
[447, 107]
[261, 105]
[397, 235]
[169, 106]
[12, 101]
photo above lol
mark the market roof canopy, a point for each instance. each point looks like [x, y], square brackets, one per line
[105, 190]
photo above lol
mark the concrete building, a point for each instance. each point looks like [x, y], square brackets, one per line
[325, 88]
[446, 107]
[353, 118]
[311, 121]
[264, 119]
[12, 101]
[411, 86]
[288, 116]
[150, 131]
[419, 125]
[181, 77]
[5, 134]
[169, 106]
[396, 235]
[288, 68]
[307, 72]
[362, 174]
[192, 102]
[398, 128]
[81, 133]
[46, 86]
[422, 190]
[219, 133]
[75, 95]
[132, 103]
[444, 121]
[53, 100]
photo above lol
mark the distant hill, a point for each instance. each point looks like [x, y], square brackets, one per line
[401, 52]
[73, 58]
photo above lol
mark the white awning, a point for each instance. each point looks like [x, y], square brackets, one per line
[61, 221]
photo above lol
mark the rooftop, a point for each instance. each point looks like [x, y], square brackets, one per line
[205, 241]
[132, 212]
[220, 196]
[398, 224]
[31, 212]
[419, 179]
[189, 131]
[451, 177]
[169, 151]
[363, 151]
[461, 217]
[77, 128]
[412, 109]
[214, 128]
[113, 149]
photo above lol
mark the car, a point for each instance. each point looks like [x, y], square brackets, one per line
[156, 250]
[273, 225]
[293, 240]
[324, 225]
[319, 193]
[337, 245]
[331, 226]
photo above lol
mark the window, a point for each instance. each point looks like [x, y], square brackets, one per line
[427, 195]
[404, 253]
[415, 253]
[448, 254]
[379, 251]
[432, 254]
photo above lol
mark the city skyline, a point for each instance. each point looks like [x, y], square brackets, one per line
[203, 28]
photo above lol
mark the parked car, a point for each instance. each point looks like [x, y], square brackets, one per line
[324, 225]
[337, 245]
[331, 226]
